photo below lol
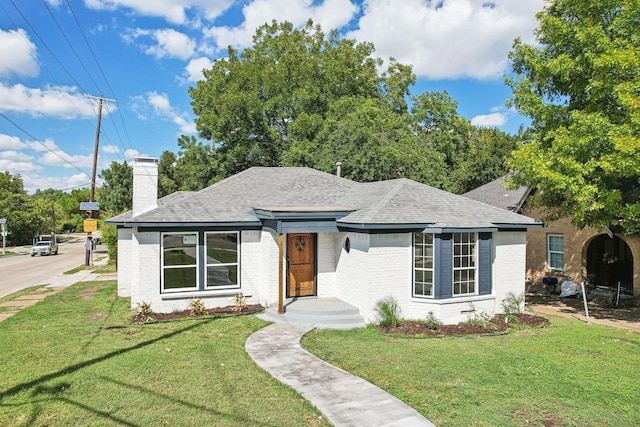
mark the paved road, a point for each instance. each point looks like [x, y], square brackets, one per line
[22, 271]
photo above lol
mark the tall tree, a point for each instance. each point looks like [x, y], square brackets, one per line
[166, 174]
[26, 217]
[195, 167]
[372, 142]
[580, 88]
[116, 193]
[484, 158]
[249, 101]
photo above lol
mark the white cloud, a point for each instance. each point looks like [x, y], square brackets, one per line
[329, 14]
[19, 54]
[18, 167]
[186, 126]
[449, 38]
[174, 11]
[8, 142]
[131, 153]
[18, 162]
[33, 181]
[15, 155]
[168, 43]
[161, 106]
[489, 120]
[110, 149]
[52, 155]
[57, 101]
[193, 71]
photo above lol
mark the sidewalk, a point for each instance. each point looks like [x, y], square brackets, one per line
[52, 286]
[343, 398]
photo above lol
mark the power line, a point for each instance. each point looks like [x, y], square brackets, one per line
[70, 45]
[95, 58]
[44, 145]
[47, 47]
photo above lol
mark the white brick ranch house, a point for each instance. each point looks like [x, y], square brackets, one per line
[277, 234]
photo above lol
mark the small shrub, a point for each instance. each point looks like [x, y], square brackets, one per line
[513, 304]
[433, 322]
[239, 302]
[478, 319]
[145, 312]
[388, 312]
[196, 307]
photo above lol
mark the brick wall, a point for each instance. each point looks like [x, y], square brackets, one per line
[576, 243]
[329, 244]
[125, 262]
[251, 265]
[353, 273]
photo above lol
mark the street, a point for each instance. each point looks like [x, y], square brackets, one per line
[22, 271]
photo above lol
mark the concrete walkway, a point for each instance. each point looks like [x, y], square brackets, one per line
[52, 286]
[343, 398]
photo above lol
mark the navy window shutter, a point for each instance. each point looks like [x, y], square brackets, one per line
[485, 261]
[443, 264]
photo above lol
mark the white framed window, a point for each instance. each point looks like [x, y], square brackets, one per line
[179, 261]
[423, 259]
[464, 263]
[555, 251]
[222, 260]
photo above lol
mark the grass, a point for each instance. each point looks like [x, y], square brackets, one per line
[569, 374]
[20, 293]
[75, 359]
[78, 268]
[109, 268]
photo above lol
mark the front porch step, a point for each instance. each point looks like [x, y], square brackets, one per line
[324, 313]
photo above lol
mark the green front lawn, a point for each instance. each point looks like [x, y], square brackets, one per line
[76, 360]
[569, 374]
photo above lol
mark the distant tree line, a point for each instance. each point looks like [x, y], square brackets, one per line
[44, 212]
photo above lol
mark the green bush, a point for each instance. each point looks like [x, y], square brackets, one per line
[433, 322]
[388, 312]
[512, 303]
[110, 238]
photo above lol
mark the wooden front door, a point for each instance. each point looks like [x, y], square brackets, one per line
[301, 265]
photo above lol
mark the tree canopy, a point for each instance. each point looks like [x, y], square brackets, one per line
[298, 97]
[580, 86]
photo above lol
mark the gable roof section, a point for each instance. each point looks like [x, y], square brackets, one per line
[408, 203]
[259, 192]
[495, 194]
[162, 202]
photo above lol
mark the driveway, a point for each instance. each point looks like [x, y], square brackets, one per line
[625, 317]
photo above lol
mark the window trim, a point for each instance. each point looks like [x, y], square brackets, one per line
[164, 267]
[206, 286]
[549, 251]
[432, 269]
[473, 256]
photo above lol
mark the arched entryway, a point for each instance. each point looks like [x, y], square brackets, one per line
[609, 261]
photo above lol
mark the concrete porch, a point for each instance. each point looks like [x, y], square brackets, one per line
[323, 313]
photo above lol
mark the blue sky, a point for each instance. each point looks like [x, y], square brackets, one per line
[146, 53]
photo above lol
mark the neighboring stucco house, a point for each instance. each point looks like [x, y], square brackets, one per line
[562, 250]
[278, 234]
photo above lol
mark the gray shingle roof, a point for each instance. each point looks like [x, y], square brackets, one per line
[495, 194]
[395, 202]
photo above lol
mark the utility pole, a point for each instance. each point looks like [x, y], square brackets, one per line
[92, 190]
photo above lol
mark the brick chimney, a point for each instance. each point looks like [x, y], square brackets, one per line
[145, 185]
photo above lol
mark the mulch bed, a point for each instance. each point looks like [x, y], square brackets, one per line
[497, 325]
[407, 327]
[229, 310]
